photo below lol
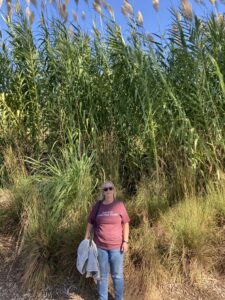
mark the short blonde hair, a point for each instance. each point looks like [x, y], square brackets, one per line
[114, 189]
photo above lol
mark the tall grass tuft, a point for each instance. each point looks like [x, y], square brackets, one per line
[53, 206]
[192, 240]
[143, 269]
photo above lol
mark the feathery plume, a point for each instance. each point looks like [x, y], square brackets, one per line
[178, 16]
[28, 12]
[9, 8]
[62, 10]
[213, 2]
[139, 18]
[187, 9]
[127, 8]
[110, 10]
[74, 14]
[155, 4]
[97, 7]
[17, 6]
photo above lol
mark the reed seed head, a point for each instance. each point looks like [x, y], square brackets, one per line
[9, 8]
[139, 18]
[74, 14]
[127, 8]
[97, 8]
[213, 2]
[17, 7]
[187, 9]
[110, 10]
[178, 16]
[155, 4]
[28, 12]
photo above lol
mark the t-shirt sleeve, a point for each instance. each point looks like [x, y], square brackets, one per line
[124, 214]
[91, 217]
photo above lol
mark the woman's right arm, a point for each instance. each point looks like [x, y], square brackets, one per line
[88, 231]
[91, 220]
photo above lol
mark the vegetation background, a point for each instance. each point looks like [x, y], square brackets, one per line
[145, 111]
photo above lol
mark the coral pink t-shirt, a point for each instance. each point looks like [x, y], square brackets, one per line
[108, 233]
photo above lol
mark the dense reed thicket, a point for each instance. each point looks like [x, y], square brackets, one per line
[156, 108]
[146, 112]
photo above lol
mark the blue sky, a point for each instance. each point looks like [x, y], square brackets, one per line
[154, 22]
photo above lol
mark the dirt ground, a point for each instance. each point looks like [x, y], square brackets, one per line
[71, 288]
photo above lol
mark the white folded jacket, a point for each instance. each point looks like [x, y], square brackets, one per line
[87, 259]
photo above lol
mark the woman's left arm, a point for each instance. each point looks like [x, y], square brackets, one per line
[125, 246]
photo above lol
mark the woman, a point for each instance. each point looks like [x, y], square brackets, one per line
[111, 232]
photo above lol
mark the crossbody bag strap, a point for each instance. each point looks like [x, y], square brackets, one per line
[93, 228]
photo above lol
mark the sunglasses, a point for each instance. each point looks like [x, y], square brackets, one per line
[110, 188]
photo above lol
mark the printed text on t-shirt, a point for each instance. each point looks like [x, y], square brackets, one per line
[108, 214]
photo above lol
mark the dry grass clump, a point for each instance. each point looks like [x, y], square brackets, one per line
[143, 268]
[190, 229]
[14, 166]
[216, 200]
[8, 211]
[181, 244]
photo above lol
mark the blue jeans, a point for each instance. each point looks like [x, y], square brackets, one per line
[114, 259]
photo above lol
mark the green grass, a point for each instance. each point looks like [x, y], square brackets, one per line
[156, 108]
[51, 210]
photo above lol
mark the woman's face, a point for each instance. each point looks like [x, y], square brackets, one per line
[108, 189]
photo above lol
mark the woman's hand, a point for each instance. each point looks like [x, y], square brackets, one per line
[125, 247]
